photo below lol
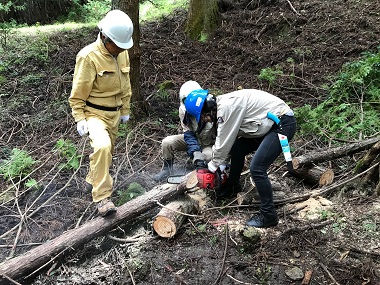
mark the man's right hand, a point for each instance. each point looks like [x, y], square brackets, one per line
[82, 127]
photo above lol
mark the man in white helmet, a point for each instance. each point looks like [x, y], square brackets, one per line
[197, 139]
[100, 99]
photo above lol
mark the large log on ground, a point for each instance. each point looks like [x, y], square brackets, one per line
[333, 153]
[316, 175]
[29, 262]
[170, 218]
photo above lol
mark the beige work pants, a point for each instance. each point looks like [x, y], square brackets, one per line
[102, 129]
[174, 143]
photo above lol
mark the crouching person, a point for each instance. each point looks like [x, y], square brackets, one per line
[197, 138]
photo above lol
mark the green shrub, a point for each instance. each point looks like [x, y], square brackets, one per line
[19, 165]
[68, 151]
[351, 110]
[134, 190]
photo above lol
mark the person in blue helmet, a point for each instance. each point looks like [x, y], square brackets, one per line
[243, 127]
[196, 140]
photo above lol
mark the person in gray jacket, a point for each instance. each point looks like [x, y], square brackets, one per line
[196, 139]
[243, 127]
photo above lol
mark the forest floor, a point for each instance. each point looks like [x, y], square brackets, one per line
[335, 238]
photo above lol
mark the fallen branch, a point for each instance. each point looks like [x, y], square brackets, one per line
[20, 266]
[333, 153]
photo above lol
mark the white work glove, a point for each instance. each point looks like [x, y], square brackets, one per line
[124, 119]
[82, 127]
[198, 156]
[212, 167]
[222, 167]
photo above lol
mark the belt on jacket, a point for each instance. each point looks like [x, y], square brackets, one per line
[103, 108]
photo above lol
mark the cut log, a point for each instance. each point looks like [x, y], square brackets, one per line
[333, 153]
[32, 261]
[316, 175]
[170, 218]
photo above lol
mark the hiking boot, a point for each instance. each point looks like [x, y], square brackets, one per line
[106, 207]
[228, 190]
[165, 172]
[263, 221]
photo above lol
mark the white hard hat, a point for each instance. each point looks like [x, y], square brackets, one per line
[187, 88]
[118, 27]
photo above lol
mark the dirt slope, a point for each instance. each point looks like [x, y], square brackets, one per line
[308, 40]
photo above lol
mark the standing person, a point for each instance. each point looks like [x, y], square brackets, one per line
[243, 128]
[100, 99]
[196, 139]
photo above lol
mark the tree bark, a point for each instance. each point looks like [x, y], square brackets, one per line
[131, 7]
[32, 260]
[333, 153]
[203, 19]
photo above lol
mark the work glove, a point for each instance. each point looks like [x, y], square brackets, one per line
[222, 167]
[124, 119]
[212, 167]
[82, 127]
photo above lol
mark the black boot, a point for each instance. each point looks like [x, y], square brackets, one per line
[262, 220]
[228, 190]
[165, 172]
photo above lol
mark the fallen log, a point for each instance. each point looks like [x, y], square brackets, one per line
[367, 160]
[34, 260]
[333, 153]
[315, 175]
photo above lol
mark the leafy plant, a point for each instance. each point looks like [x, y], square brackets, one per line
[19, 165]
[134, 190]
[352, 109]
[270, 74]
[68, 151]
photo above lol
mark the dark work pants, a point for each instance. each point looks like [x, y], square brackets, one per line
[267, 149]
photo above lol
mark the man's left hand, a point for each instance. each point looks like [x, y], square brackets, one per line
[124, 119]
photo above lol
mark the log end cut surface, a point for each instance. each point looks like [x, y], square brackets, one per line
[164, 227]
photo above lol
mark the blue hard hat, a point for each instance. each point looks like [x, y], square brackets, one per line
[194, 102]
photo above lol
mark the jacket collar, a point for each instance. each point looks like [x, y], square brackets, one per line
[101, 46]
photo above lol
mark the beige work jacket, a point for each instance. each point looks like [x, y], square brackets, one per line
[100, 79]
[243, 113]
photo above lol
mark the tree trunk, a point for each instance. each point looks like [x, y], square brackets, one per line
[131, 7]
[32, 260]
[333, 153]
[203, 19]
